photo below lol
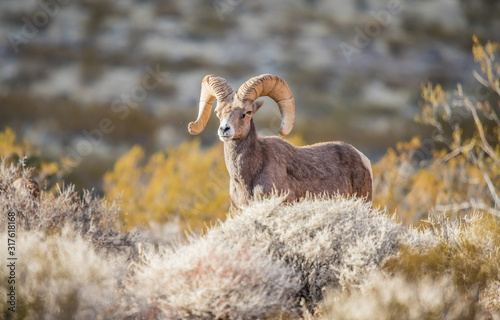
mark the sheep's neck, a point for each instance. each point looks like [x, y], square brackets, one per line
[242, 157]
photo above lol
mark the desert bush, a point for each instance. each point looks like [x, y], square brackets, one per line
[448, 269]
[72, 251]
[59, 277]
[61, 269]
[394, 297]
[267, 259]
[210, 278]
[413, 189]
[328, 242]
[465, 250]
[89, 216]
[455, 170]
[10, 148]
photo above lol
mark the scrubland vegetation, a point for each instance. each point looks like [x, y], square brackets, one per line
[158, 244]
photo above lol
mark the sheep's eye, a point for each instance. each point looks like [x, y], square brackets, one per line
[248, 113]
[217, 114]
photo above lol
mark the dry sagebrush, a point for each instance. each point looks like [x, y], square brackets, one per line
[264, 260]
[71, 254]
[210, 279]
[395, 297]
[60, 277]
[88, 216]
[327, 242]
[449, 269]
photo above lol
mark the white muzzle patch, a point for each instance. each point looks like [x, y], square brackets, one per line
[226, 131]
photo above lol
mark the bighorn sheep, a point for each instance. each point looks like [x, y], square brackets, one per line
[263, 164]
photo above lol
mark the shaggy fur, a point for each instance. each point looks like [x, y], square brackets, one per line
[261, 164]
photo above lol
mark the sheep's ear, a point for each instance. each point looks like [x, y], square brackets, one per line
[257, 105]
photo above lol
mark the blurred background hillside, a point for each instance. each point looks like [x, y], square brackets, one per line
[87, 80]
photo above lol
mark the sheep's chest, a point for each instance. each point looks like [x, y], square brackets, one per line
[239, 192]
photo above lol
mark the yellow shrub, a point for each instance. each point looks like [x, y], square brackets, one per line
[13, 151]
[456, 170]
[9, 148]
[413, 192]
[186, 182]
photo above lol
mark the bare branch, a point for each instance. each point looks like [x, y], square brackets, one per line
[471, 204]
[480, 79]
[453, 154]
[490, 184]
[485, 82]
[479, 126]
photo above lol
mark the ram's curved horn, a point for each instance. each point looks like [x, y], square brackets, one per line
[211, 87]
[275, 88]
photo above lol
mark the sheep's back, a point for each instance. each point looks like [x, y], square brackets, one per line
[329, 167]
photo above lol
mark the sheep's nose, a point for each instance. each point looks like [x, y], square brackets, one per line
[224, 129]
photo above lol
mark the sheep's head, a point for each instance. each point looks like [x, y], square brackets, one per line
[235, 110]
